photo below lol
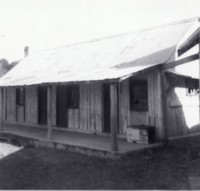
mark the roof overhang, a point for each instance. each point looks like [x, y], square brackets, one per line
[177, 79]
[176, 74]
[189, 43]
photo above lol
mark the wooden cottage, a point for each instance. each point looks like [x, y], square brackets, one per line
[104, 86]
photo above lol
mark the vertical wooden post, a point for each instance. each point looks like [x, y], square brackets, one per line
[49, 112]
[2, 109]
[119, 106]
[164, 132]
[114, 116]
[199, 72]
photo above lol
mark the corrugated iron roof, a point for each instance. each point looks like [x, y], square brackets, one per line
[108, 58]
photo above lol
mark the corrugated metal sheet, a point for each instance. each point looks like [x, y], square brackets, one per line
[108, 58]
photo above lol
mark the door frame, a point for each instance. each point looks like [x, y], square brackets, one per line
[40, 120]
[106, 86]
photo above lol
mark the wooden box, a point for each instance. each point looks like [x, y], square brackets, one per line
[140, 134]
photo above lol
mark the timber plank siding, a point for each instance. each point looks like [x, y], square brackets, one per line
[155, 113]
[90, 109]
[124, 106]
[89, 115]
[54, 90]
[98, 107]
[31, 105]
[10, 107]
[1, 108]
[182, 111]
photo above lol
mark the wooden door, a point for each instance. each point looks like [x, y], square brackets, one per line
[61, 106]
[106, 106]
[42, 105]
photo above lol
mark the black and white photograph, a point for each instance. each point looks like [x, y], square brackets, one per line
[99, 94]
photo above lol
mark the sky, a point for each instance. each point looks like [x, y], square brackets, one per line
[43, 24]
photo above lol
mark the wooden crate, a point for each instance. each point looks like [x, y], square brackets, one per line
[140, 134]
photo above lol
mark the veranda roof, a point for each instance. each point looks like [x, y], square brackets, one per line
[103, 59]
[190, 39]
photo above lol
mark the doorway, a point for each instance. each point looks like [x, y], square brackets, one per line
[42, 105]
[61, 106]
[106, 106]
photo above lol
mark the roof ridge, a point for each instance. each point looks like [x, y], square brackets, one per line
[123, 34]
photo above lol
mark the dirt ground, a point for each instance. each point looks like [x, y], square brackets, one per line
[39, 168]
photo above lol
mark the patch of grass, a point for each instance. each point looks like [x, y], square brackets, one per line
[39, 168]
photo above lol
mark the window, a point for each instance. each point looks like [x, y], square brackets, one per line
[73, 96]
[20, 95]
[138, 95]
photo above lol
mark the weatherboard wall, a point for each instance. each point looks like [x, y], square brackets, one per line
[31, 106]
[183, 108]
[151, 117]
[128, 117]
[155, 110]
[89, 116]
[10, 104]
